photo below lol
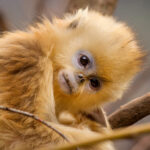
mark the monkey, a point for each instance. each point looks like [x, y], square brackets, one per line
[71, 65]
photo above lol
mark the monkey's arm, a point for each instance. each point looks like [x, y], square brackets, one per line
[16, 137]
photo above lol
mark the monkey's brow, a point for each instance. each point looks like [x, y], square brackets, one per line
[73, 24]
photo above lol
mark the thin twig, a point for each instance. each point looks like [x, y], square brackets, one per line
[131, 112]
[114, 135]
[35, 118]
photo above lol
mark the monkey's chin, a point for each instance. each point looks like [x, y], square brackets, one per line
[67, 82]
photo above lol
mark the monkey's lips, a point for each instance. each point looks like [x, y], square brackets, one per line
[67, 81]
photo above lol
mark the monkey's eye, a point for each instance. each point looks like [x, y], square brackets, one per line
[84, 60]
[95, 83]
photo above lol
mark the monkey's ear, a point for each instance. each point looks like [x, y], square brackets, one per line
[73, 24]
[65, 24]
[72, 21]
[78, 19]
[59, 22]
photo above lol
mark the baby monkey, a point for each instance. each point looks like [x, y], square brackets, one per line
[72, 65]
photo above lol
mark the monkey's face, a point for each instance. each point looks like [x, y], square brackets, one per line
[77, 79]
[94, 59]
[84, 74]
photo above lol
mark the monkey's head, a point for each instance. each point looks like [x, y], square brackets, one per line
[94, 59]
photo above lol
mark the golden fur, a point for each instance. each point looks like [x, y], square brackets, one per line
[29, 65]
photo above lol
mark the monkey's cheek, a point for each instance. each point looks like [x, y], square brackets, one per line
[67, 82]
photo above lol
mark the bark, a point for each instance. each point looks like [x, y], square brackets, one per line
[131, 112]
[3, 24]
[103, 6]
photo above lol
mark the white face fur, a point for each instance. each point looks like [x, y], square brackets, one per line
[69, 81]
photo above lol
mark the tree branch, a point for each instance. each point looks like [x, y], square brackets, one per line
[114, 135]
[35, 118]
[131, 112]
[39, 10]
[103, 6]
[3, 25]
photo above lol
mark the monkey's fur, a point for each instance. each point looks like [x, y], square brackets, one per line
[29, 65]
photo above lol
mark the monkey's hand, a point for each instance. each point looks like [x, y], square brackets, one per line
[67, 118]
[97, 115]
[95, 120]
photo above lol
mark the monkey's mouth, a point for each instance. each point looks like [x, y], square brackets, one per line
[67, 82]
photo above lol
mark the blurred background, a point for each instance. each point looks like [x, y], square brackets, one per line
[18, 14]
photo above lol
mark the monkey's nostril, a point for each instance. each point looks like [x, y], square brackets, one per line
[80, 78]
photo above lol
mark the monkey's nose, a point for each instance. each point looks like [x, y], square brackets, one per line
[80, 78]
